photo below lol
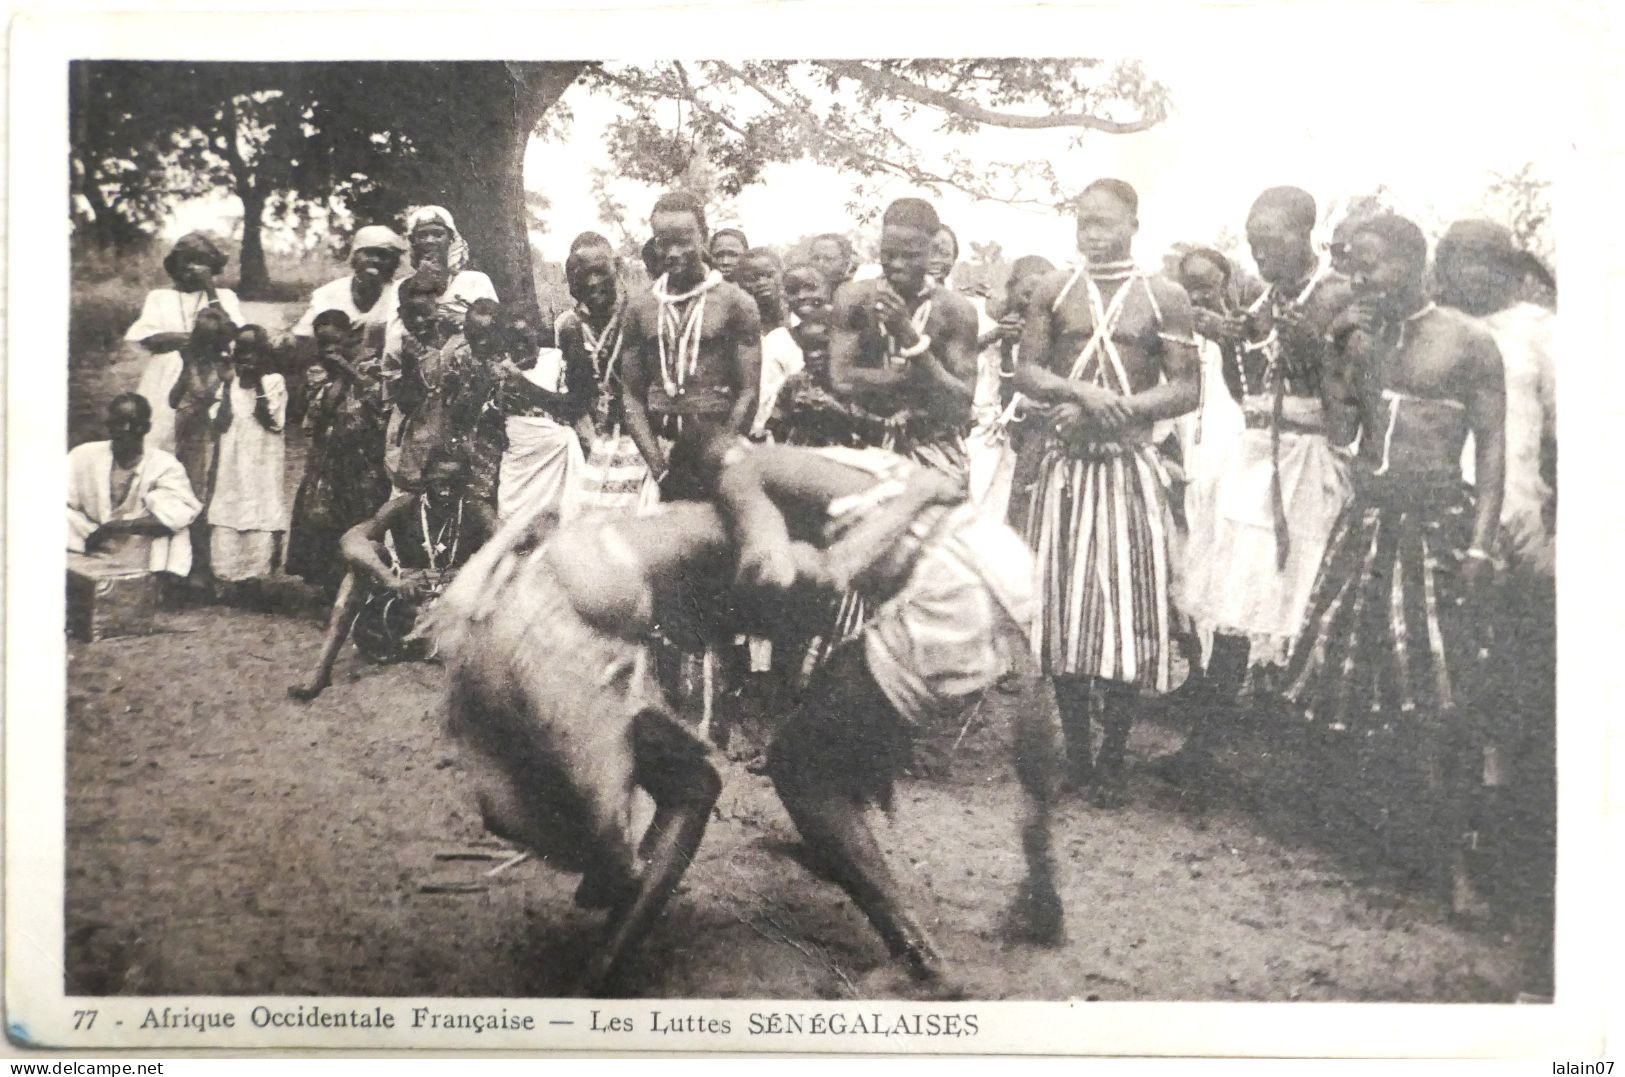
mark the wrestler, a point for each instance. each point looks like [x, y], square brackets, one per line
[693, 348]
[1110, 351]
[949, 592]
[903, 347]
[1389, 655]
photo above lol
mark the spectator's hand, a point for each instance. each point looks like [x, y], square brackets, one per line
[98, 539]
[409, 588]
[1209, 324]
[894, 315]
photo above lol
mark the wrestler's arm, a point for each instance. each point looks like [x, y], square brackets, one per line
[745, 329]
[359, 545]
[948, 369]
[635, 375]
[755, 523]
[1180, 390]
[1032, 379]
[1486, 417]
[845, 340]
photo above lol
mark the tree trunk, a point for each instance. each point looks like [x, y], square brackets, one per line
[484, 159]
[254, 281]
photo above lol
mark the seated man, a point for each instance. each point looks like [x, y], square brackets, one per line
[552, 693]
[128, 502]
[426, 537]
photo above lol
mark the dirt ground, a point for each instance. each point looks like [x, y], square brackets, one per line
[222, 840]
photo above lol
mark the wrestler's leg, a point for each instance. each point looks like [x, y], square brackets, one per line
[1072, 699]
[1207, 695]
[676, 772]
[1117, 717]
[1036, 915]
[844, 702]
[338, 630]
[1461, 773]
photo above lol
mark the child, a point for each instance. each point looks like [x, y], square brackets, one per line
[247, 515]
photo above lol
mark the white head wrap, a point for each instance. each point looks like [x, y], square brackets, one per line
[457, 254]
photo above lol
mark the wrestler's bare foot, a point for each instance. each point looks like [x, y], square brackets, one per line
[309, 690]
[905, 978]
[1035, 917]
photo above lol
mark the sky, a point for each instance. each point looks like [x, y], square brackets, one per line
[1430, 126]
[1416, 99]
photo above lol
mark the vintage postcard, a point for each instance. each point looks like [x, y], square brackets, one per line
[958, 529]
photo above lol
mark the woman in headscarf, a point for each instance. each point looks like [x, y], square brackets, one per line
[439, 253]
[367, 295]
[165, 325]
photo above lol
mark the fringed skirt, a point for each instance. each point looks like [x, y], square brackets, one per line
[1390, 639]
[1099, 528]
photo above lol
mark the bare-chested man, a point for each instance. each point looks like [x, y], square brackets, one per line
[1389, 654]
[903, 347]
[1111, 351]
[693, 349]
[1251, 561]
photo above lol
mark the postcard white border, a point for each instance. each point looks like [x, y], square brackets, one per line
[1590, 617]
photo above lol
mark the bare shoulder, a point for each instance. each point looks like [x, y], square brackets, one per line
[1167, 291]
[640, 310]
[1049, 289]
[1471, 339]
[959, 311]
[849, 298]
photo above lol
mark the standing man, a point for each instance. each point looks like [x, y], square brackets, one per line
[903, 347]
[1110, 350]
[591, 336]
[1251, 561]
[694, 344]
[728, 246]
[993, 456]
[832, 255]
[1388, 651]
[1480, 270]
[762, 276]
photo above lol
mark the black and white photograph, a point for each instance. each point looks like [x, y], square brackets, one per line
[1065, 523]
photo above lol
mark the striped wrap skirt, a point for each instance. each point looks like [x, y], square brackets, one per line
[1099, 529]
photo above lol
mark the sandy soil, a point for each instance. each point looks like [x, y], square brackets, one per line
[223, 839]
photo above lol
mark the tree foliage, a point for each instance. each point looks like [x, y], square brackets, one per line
[856, 116]
[369, 140]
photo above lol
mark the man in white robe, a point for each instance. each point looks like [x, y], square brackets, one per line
[129, 502]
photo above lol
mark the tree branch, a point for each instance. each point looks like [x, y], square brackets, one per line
[848, 147]
[884, 82]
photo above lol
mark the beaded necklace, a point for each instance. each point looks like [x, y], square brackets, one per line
[680, 330]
